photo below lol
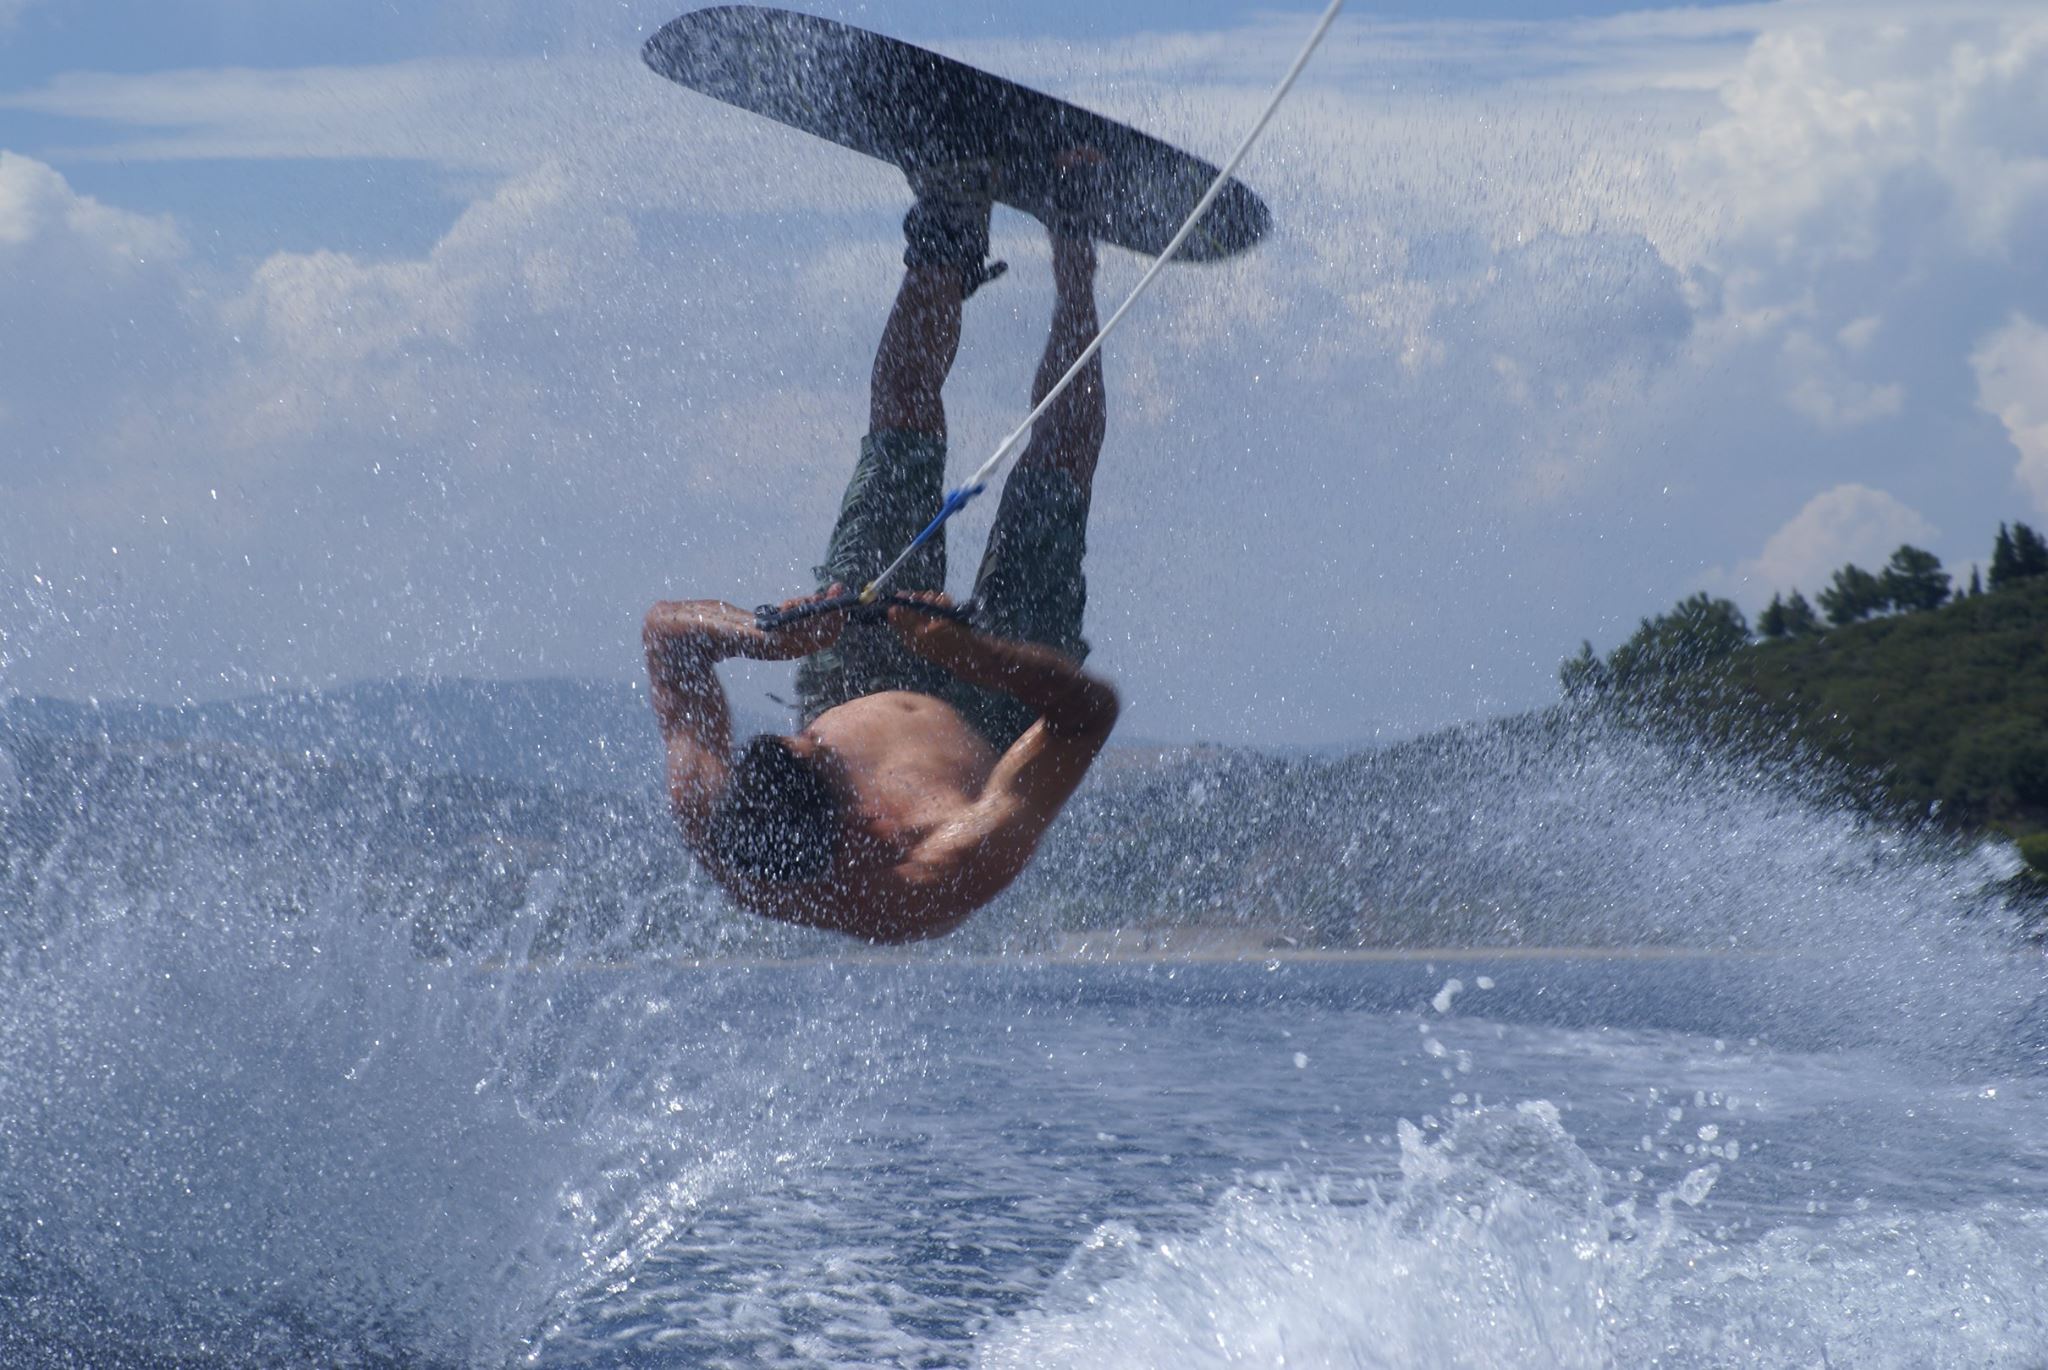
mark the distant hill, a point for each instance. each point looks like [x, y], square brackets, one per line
[581, 734]
[1539, 830]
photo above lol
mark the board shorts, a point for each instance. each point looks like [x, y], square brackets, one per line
[1029, 588]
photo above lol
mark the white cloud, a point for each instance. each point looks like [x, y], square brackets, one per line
[1858, 333]
[332, 464]
[2012, 383]
[1871, 192]
[1818, 386]
[1847, 523]
[1834, 115]
[37, 206]
[96, 301]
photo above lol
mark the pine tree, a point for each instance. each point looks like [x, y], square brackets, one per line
[2004, 560]
[2029, 553]
[1584, 674]
[1976, 583]
[1853, 595]
[1913, 579]
[1771, 622]
[1800, 620]
[1698, 632]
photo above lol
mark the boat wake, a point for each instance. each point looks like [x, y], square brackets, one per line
[1499, 1245]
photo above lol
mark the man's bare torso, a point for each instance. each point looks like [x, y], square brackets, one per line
[933, 822]
[912, 775]
[910, 761]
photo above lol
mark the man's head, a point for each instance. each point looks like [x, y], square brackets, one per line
[779, 817]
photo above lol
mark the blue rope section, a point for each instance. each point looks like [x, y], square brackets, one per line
[955, 502]
[871, 603]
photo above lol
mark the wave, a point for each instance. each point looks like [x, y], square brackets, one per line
[1498, 1246]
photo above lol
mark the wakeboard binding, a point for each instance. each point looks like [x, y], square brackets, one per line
[948, 226]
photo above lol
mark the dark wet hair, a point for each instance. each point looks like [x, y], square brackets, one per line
[778, 818]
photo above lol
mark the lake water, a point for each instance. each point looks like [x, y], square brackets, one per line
[1460, 1162]
[1588, 1163]
[245, 1122]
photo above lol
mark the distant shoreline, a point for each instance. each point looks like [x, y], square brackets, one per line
[1046, 960]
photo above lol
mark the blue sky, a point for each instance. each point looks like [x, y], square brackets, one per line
[351, 340]
[135, 36]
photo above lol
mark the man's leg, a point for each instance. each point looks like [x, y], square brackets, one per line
[1030, 586]
[918, 346]
[896, 488]
[1068, 437]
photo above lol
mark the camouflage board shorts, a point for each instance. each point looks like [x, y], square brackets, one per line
[1030, 587]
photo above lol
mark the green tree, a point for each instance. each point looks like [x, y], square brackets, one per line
[2034, 849]
[1800, 620]
[1913, 579]
[1771, 622]
[1976, 583]
[2004, 560]
[1852, 596]
[2029, 552]
[1699, 631]
[1584, 674]
[1996, 764]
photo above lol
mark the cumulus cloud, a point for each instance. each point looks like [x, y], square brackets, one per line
[1839, 118]
[39, 212]
[1818, 386]
[98, 304]
[1871, 187]
[1847, 523]
[328, 464]
[2012, 384]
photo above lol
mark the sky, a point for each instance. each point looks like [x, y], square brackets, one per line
[356, 339]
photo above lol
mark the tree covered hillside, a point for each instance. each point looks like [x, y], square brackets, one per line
[1942, 697]
[1950, 705]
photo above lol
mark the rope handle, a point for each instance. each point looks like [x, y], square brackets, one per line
[770, 617]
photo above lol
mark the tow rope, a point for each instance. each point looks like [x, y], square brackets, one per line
[871, 595]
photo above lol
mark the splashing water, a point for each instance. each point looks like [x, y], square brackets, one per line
[1497, 1247]
[243, 1120]
[321, 1060]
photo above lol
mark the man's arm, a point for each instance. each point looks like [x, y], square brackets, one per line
[1033, 780]
[685, 641]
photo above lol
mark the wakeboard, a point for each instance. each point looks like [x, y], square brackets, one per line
[912, 107]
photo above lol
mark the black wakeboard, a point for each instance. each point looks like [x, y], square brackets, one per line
[911, 107]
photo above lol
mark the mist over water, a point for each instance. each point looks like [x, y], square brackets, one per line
[312, 1057]
[246, 1121]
